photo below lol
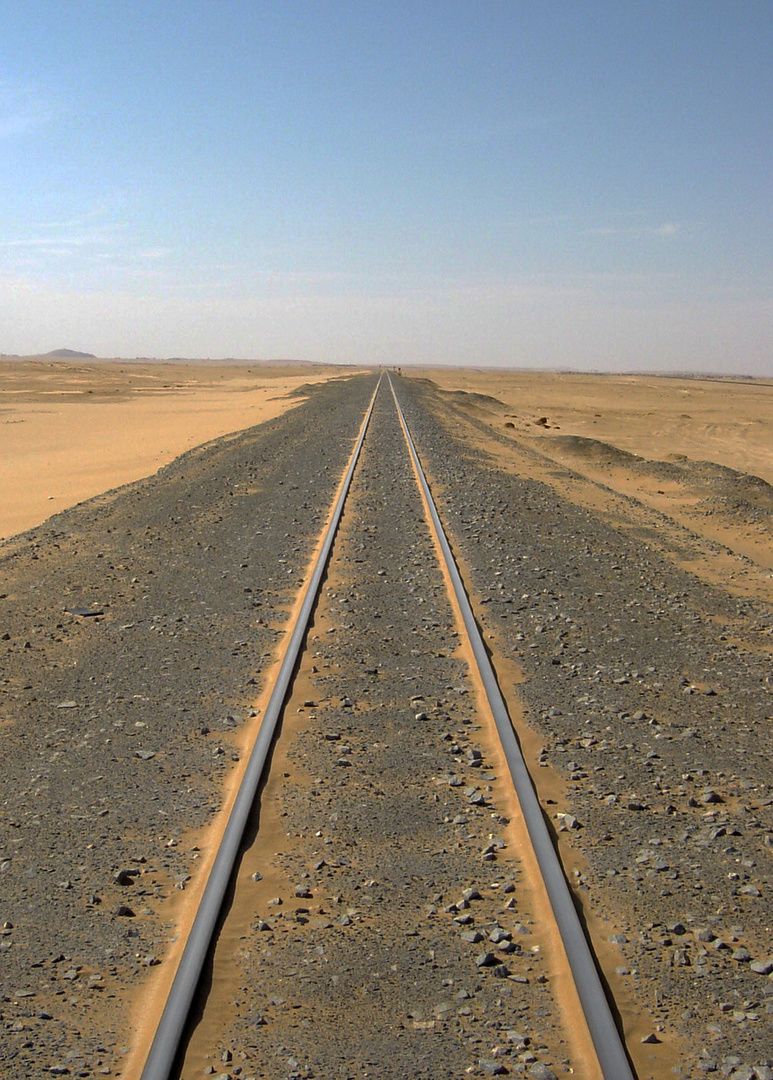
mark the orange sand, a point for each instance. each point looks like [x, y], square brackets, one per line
[72, 430]
[682, 423]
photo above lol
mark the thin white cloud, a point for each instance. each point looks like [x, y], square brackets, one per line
[93, 237]
[636, 232]
[551, 220]
[22, 108]
[17, 125]
[73, 240]
[69, 223]
[302, 277]
[627, 224]
[92, 229]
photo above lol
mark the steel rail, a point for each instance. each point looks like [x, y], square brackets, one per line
[607, 1042]
[166, 1042]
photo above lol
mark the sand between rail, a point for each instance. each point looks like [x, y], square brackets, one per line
[70, 431]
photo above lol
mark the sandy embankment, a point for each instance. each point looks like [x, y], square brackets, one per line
[69, 431]
[644, 450]
[728, 421]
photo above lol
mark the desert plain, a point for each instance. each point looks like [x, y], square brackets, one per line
[615, 535]
[70, 430]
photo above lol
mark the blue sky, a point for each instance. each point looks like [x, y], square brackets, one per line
[575, 184]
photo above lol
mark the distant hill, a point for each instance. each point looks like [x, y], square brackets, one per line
[73, 355]
[70, 354]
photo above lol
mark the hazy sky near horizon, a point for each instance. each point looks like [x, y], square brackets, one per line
[573, 183]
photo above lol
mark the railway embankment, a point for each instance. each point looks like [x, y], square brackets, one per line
[385, 920]
[651, 693]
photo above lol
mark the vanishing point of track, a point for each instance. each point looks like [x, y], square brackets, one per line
[609, 1050]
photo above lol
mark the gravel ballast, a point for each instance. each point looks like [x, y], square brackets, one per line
[391, 933]
[134, 633]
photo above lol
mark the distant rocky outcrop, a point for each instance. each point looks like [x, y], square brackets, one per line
[70, 354]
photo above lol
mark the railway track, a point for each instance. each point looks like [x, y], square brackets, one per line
[580, 1030]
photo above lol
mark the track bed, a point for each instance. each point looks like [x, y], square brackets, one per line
[384, 919]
